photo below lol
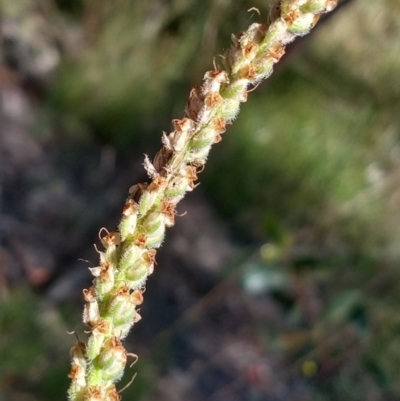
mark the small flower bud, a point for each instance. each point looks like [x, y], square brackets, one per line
[130, 257]
[111, 242]
[122, 307]
[234, 90]
[313, 6]
[104, 280]
[177, 187]
[230, 108]
[122, 330]
[300, 24]
[254, 34]
[200, 155]
[95, 342]
[153, 222]
[178, 140]
[277, 33]
[135, 268]
[264, 68]
[112, 359]
[147, 199]
[155, 238]
[203, 138]
[91, 313]
[127, 226]
[234, 60]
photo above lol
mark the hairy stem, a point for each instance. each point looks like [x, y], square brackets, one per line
[129, 253]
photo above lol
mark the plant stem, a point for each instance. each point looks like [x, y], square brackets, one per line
[128, 258]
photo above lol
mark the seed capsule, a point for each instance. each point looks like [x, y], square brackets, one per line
[230, 108]
[91, 313]
[300, 24]
[155, 238]
[177, 187]
[203, 138]
[122, 308]
[104, 278]
[97, 338]
[153, 222]
[147, 199]
[136, 269]
[112, 359]
[111, 242]
[313, 6]
[130, 257]
[127, 226]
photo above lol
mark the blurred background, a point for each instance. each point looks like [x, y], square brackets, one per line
[282, 281]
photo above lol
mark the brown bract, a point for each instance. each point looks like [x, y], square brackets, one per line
[130, 208]
[195, 103]
[276, 52]
[136, 191]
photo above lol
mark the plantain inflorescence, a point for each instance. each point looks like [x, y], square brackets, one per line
[128, 257]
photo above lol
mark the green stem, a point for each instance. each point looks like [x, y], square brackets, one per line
[128, 258]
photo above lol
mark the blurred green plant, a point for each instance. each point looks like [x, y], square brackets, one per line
[32, 346]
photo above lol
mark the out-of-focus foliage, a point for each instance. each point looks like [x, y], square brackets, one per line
[327, 136]
[144, 56]
[31, 348]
